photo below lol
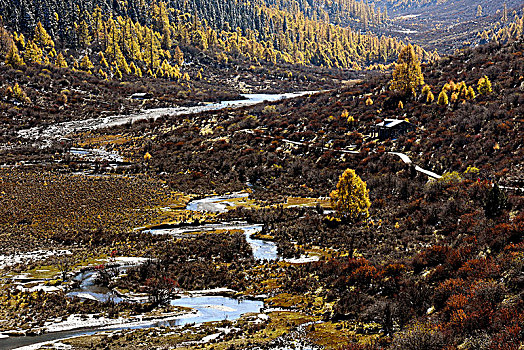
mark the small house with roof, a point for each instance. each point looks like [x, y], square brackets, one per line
[392, 128]
[141, 96]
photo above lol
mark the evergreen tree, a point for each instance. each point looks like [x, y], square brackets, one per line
[430, 97]
[60, 61]
[470, 94]
[20, 40]
[103, 61]
[84, 37]
[42, 38]
[479, 11]
[86, 64]
[495, 202]
[33, 53]
[151, 50]
[19, 94]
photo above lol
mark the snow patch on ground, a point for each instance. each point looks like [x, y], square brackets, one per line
[263, 317]
[78, 321]
[130, 260]
[50, 345]
[47, 289]
[210, 337]
[303, 259]
[95, 321]
[17, 258]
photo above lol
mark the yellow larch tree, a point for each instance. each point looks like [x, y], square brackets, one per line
[41, 38]
[351, 198]
[407, 75]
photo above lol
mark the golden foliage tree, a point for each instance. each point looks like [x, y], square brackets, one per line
[443, 98]
[407, 75]
[84, 37]
[13, 58]
[33, 53]
[19, 94]
[60, 61]
[470, 94]
[430, 98]
[351, 198]
[85, 63]
[484, 86]
[42, 38]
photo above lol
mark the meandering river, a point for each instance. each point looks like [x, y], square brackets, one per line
[48, 133]
[206, 308]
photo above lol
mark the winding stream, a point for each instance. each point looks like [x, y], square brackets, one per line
[262, 250]
[205, 308]
[60, 130]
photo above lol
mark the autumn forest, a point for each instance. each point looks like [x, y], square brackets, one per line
[267, 174]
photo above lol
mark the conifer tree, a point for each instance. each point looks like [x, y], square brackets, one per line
[19, 40]
[496, 201]
[443, 98]
[85, 63]
[13, 58]
[407, 75]
[151, 52]
[42, 38]
[84, 37]
[118, 73]
[430, 97]
[484, 86]
[454, 97]
[351, 198]
[60, 61]
[102, 74]
[470, 94]
[103, 61]
[425, 90]
[19, 94]
[33, 53]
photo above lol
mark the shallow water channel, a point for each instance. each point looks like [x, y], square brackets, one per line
[59, 130]
[262, 250]
[206, 308]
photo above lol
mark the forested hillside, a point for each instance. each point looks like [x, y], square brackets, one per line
[431, 251]
[451, 25]
[466, 8]
[150, 34]
[266, 174]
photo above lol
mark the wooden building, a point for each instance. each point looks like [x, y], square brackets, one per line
[392, 128]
